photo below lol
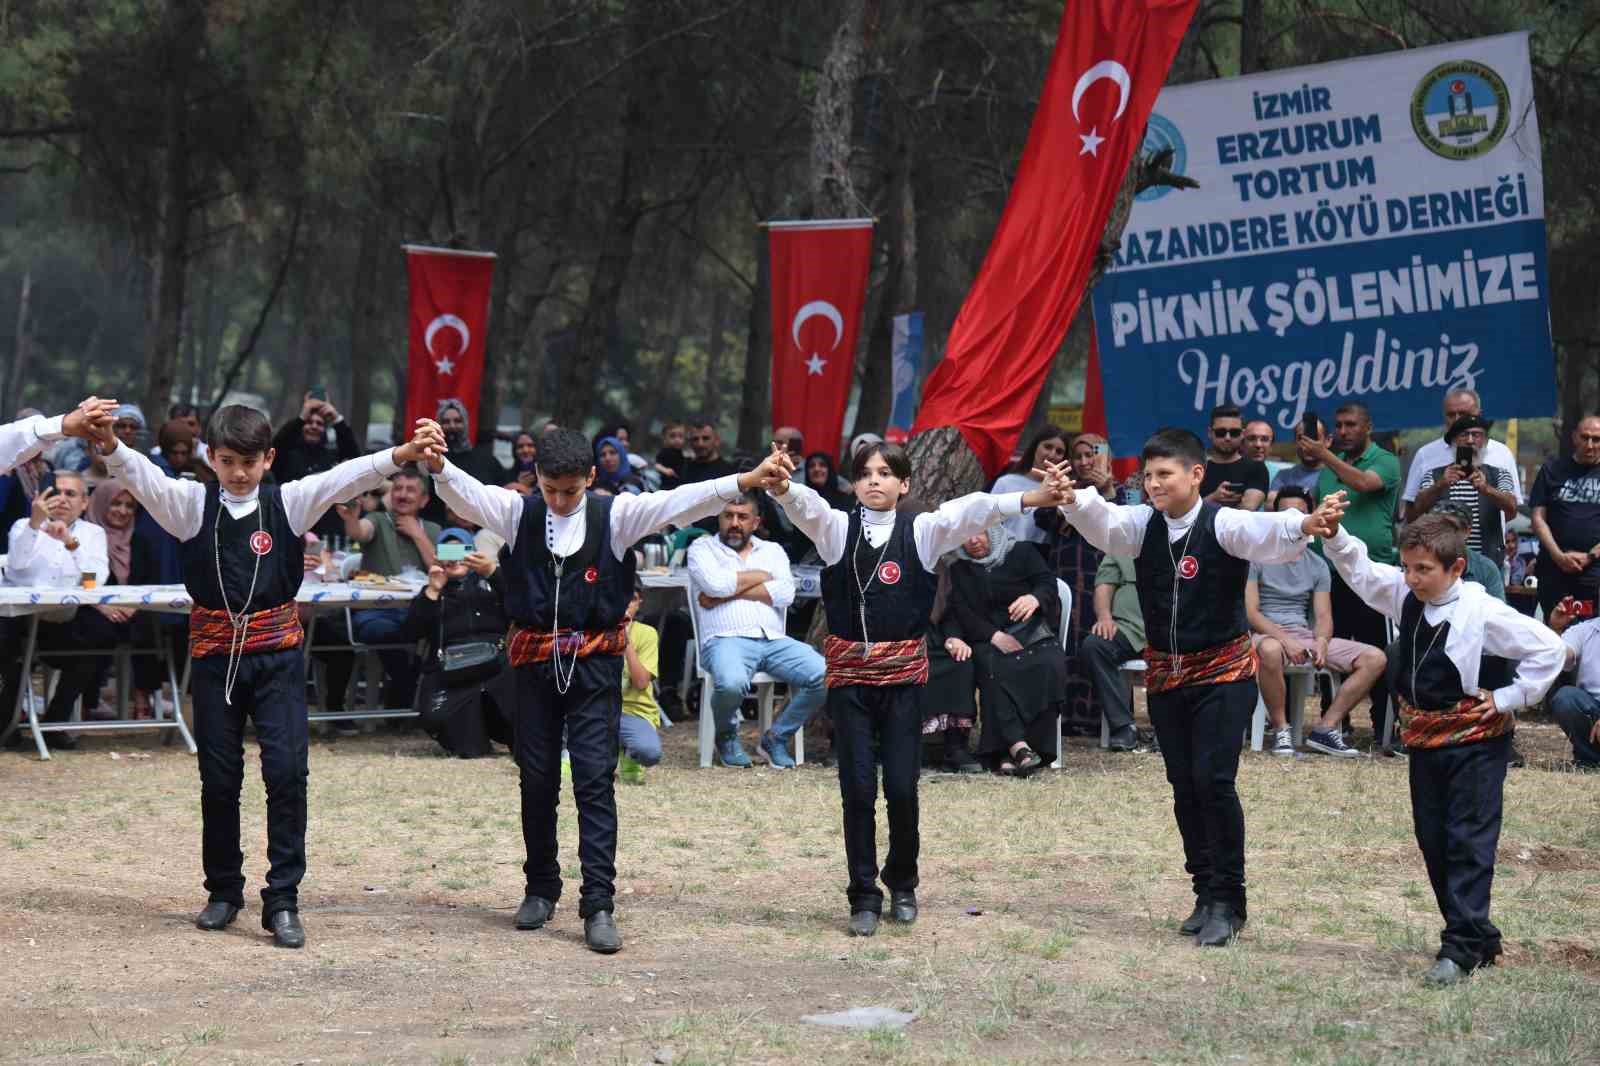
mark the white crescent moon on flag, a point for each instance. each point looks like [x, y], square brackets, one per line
[446, 322]
[826, 310]
[1106, 68]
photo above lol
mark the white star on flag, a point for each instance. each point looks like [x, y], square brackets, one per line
[444, 366]
[815, 364]
[1091, 142]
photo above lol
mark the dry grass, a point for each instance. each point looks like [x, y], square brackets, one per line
[733, 908]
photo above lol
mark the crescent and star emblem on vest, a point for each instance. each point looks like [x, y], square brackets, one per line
[592, 574]
[261, 542]
[1188, 567]
[889, 573]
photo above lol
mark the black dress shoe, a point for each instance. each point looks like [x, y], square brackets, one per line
[219, 914]
[534, 912]
[1197, 918]
[903, 907]
[600, 933]
[287, 932]
[863, 923]
[1222, 925]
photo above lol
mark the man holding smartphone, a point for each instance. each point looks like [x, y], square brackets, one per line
[1486, 492]
[1232, 479]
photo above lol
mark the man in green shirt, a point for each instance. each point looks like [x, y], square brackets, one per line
[1117, 636]
[1370, 478]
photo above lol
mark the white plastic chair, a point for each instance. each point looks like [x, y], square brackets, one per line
[764, 684]
[1297, 678]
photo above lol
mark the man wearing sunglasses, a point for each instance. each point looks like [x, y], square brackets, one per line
[1232, 479]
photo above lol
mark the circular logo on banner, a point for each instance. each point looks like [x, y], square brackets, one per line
[1188, 567]
[1461, 110]
[889, 573]
[261, 542]
[1159, 136]
[592, 574]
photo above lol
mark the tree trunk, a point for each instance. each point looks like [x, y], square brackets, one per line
[1252, 36]
[20, 351]
[833, 117]
[716, 344]
[754, 406]
[364, 298]
[184, 30]
[943, 467]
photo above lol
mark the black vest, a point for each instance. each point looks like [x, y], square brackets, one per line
[898, 600]
[1210, 588]
[596, 586]
[235, 540]
[1437, 680]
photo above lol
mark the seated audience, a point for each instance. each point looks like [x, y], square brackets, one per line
[524, 463]
[1566, 519]
[1003, 599]
[56, 547]
[1048, 445]
[300, 449]
[949, 699]
[462, 609]
[670, 458]
[1280, 600]
[612, 471]
[132, 559]
[823, 479]
[741, 584]
[1116, 637]
[1577, 706]
[638, 730]
[1487, 493]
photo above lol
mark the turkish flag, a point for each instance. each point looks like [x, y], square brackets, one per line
[449, 328]
[1110, 59]
[819, 286]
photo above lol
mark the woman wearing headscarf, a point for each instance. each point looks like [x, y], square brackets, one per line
[824, 480]
[949, 700]
[1074, 560]
[524, 463]
[1005, 607]
[1048, 445]
[612, 471]
[132, 560]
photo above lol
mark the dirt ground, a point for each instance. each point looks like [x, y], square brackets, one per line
[1049, 910]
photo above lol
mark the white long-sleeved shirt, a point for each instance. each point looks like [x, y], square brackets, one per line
[633, 517]
[21, 441]
[1479, 624]
[1119, 529]
[38, 559]
[1583, 641]
[179, 505]
[935, 532]
[714, 569]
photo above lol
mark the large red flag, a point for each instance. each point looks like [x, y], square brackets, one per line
[1110, 59]
[449, 327]
[819, 286]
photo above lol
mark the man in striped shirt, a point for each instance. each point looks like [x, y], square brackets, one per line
[741, 585]
[1488, 493]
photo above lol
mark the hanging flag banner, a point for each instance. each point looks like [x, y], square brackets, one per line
[819, 287]
[1110, 59]
[906, 353]
[1366, 230]
[449, 327]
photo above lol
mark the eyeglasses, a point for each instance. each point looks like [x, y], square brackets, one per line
[1217, 431]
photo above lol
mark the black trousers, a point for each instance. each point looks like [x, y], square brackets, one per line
[1101, 660]
[590, 710]
[871, 725]
[1354, 620]
[1457, 795]
[1201, 730]
[271, 689]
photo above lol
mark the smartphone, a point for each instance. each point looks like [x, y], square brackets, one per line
[1102, 449]
[1464, 456]
[451, 553]
[1310, 427]
[1234, 486]
[319, 392]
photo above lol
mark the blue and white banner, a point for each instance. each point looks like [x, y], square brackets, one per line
[1366, 230]
[906, 352]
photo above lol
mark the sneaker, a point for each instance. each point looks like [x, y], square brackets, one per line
[1283, 742]
[629, 770]
[777, 751]
[1331, 742]
[731, 753]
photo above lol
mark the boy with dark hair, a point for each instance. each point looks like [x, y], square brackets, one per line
[242, 561]
[569, 577]
[1458, 733]
[1193, 558]
[878, 590]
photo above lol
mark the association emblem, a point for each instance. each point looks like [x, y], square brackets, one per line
[1159, 136]
[261, 542]
[1461, 109]
[1188, 567]
[889, 573]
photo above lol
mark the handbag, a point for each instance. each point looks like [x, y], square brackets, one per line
[1031, 631]
[469, 662]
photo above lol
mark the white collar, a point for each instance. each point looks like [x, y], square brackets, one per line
[877, 518]
[1187, 518]
[228, 497]
[1447, 597]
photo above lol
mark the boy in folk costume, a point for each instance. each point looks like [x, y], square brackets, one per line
[569, 577]
[241, 552]
[877, 589]
[1456, 733]
[1193, 560]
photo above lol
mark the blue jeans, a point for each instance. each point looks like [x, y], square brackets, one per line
[386, 625]
[1576, 711]
[639, 739]
[732, 661]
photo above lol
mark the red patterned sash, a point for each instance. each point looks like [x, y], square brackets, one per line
[1452, 728]
[275, 629]
[525, 645]
[1216, 665]
[882, 663]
